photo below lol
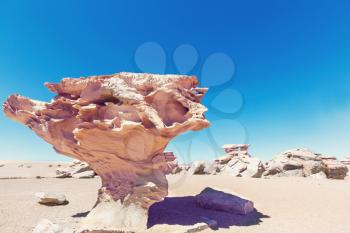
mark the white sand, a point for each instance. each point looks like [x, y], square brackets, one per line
[290, 205]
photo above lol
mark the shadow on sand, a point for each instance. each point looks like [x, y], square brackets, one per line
[185, 211]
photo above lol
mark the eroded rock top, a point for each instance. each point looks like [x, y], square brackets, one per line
[161, 105]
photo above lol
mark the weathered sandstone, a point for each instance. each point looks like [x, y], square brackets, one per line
[238, 162]
[236, 149]
[305, 163]
[75, 169]
[120, 125]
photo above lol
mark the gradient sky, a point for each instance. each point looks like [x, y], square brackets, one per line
[291, 66]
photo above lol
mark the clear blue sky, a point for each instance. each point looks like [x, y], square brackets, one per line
[291, 59]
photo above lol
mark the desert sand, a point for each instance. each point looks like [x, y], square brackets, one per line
[288, 205]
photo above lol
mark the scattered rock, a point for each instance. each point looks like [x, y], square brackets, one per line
[179, 168]
[217, 200]
[46, 226]
[50, 198]
[198, 168]
[194, 228]
[84, 175]
[238, 163]
[2, 165]
[74, 169]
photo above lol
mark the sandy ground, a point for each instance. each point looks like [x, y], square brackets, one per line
[284, 205]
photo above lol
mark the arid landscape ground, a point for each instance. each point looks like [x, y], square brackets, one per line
[283, 204]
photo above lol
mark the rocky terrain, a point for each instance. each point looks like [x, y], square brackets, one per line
[295, 163]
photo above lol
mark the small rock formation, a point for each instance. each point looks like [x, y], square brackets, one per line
[238, 162]
[217, 200]
[304, 163]
[236, 149]
[75, 169]
[46, 226]
[50, 198]
[120, 125]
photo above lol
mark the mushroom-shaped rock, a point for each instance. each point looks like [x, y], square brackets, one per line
[120, 125]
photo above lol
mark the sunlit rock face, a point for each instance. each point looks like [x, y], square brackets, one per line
[120, 125]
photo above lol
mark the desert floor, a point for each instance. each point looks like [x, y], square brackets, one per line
[284, 205]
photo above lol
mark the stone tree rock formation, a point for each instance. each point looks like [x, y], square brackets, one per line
[120, 125]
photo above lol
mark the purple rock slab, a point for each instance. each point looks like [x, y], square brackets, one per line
[217, 200]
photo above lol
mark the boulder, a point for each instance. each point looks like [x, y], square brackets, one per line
[73, 169]
[119, 125]
[217, 200]
[51, 198]
[255, 168]
[84, 175]
[335, 170]
[198, 168]
[305, 163]
[242, 165]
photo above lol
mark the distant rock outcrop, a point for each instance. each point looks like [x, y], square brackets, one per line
[237, 162]
[74, 169]
[304, 163]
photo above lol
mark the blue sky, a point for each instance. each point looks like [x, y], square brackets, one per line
[291, 66]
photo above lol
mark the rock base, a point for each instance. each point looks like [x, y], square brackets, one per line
[114, 216]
